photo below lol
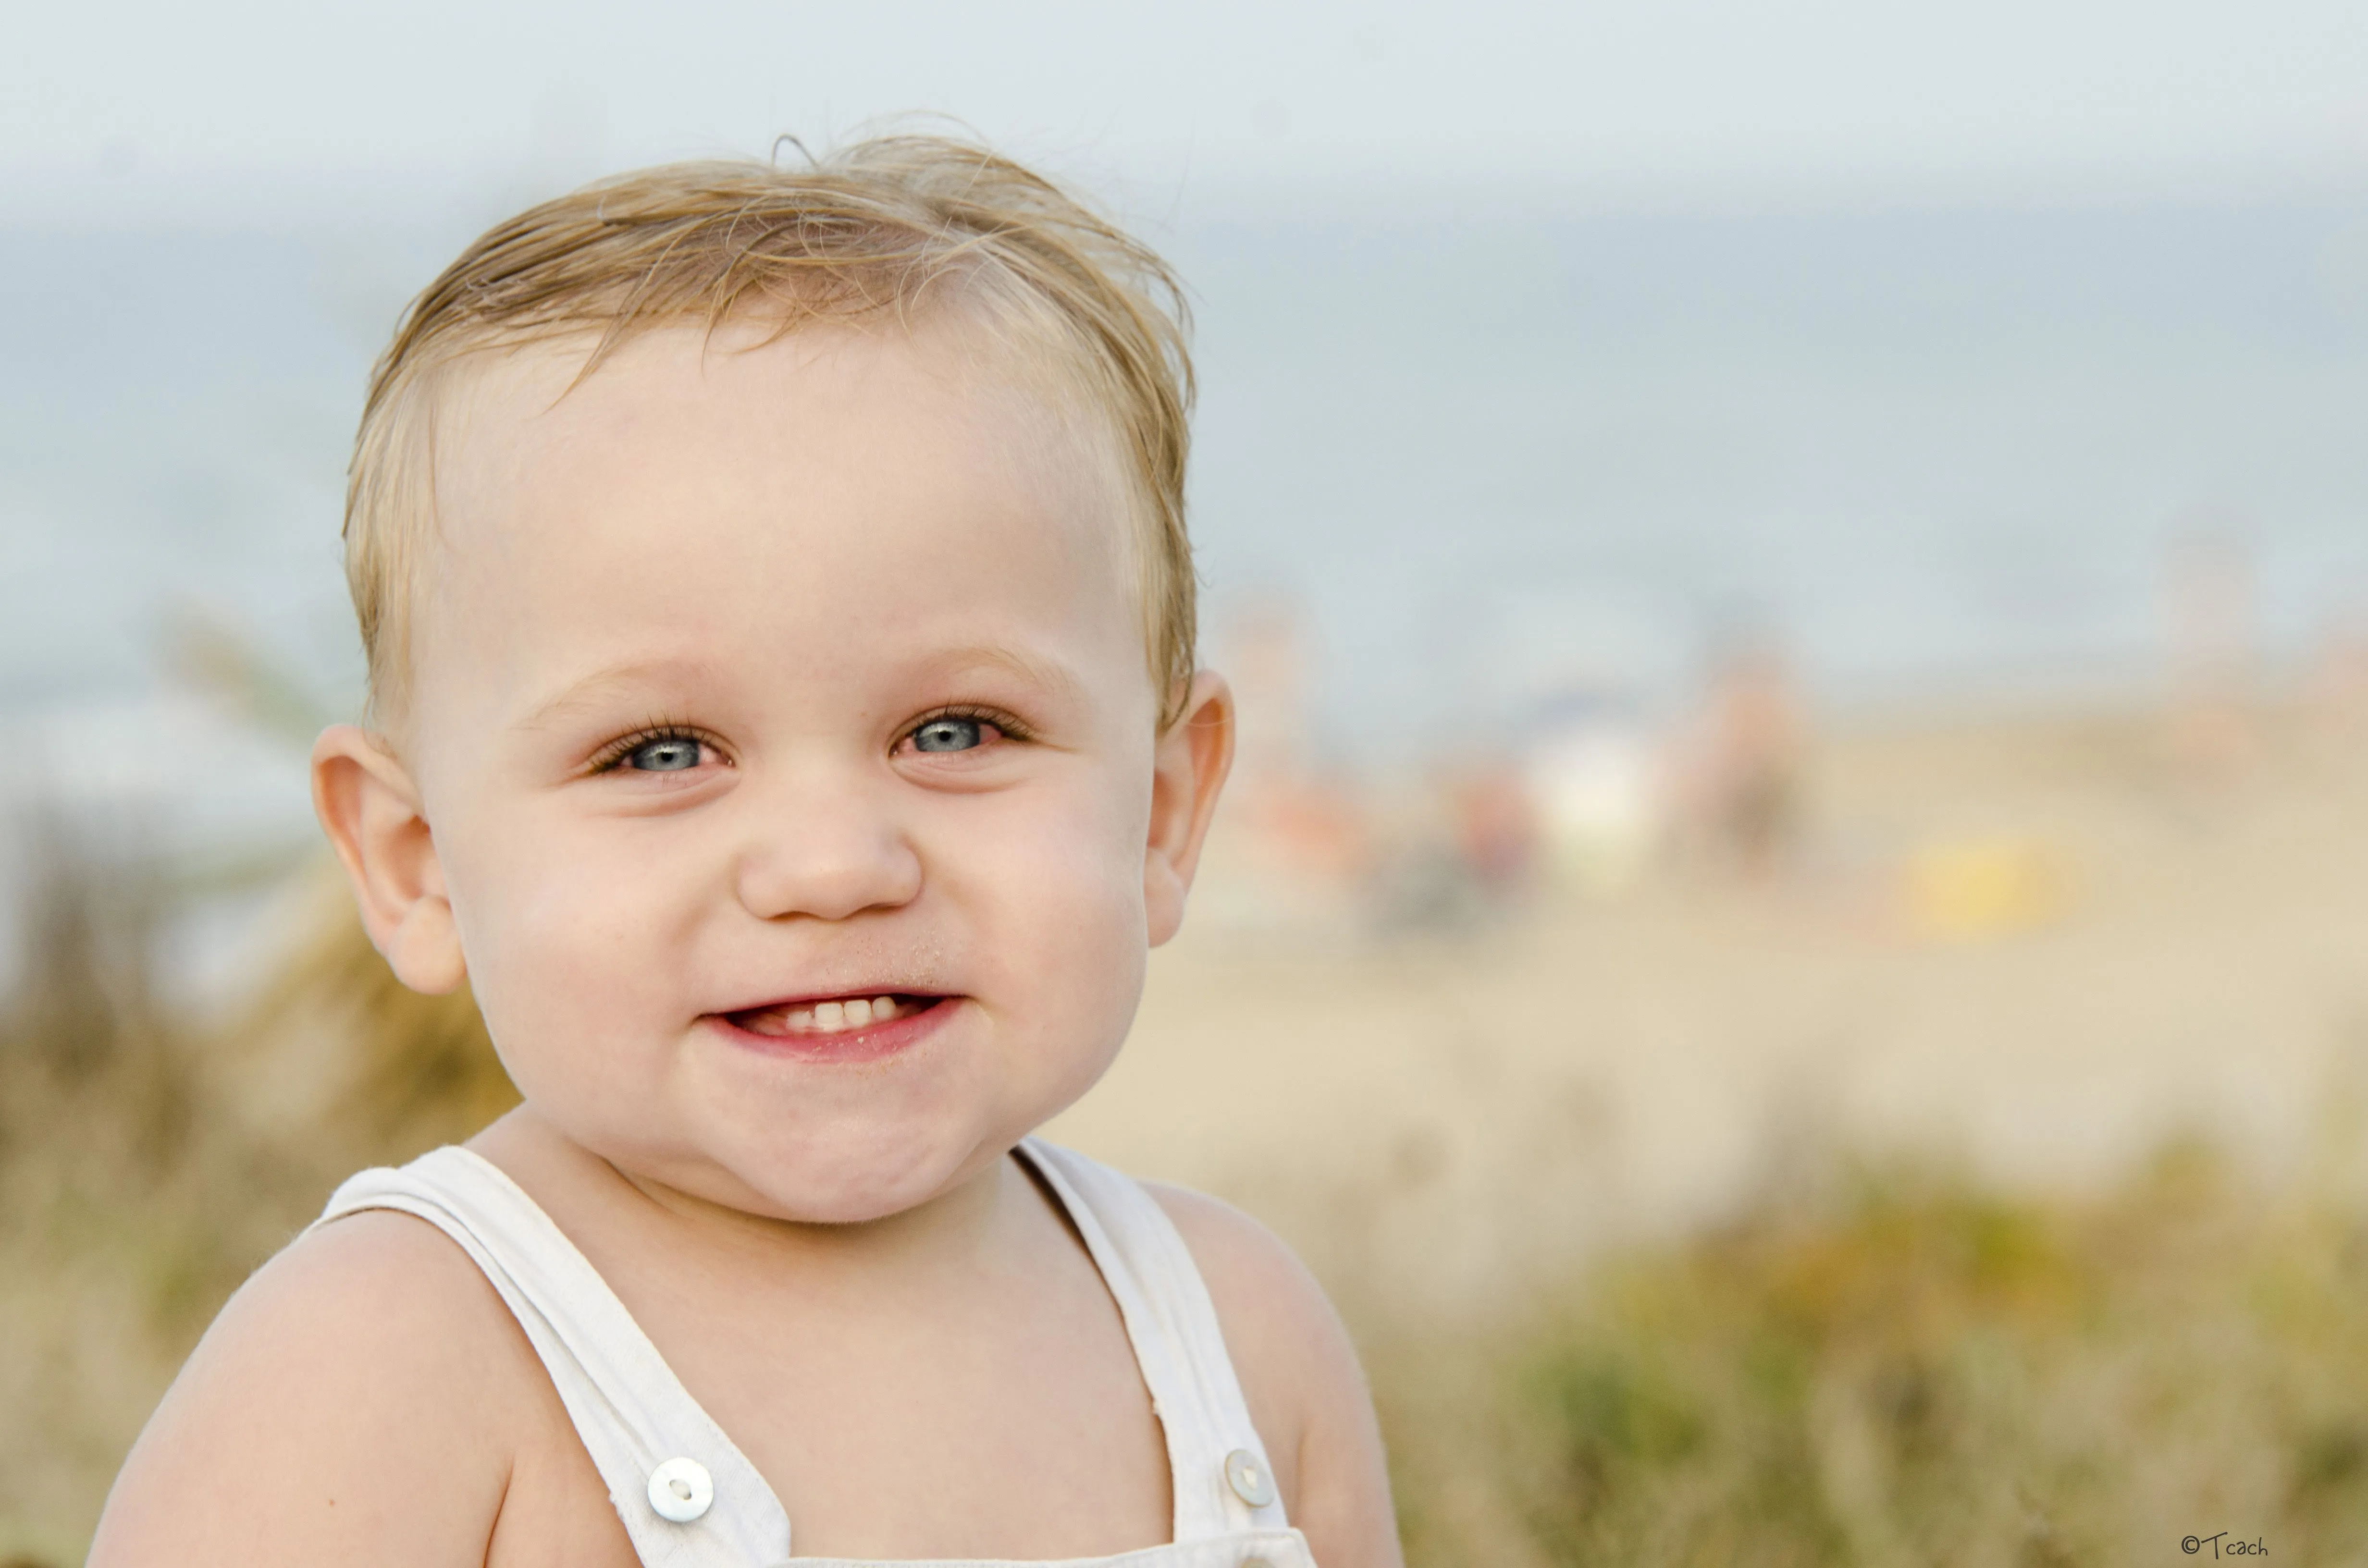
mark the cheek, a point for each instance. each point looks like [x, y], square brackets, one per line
[544, 917]
[1057, 882]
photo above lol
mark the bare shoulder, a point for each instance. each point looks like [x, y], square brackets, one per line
[358, 1401]
[1299, 1376]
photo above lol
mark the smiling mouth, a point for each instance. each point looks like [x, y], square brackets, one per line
[844, 1014]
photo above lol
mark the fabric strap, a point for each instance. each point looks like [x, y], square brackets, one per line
[633, 1414]
[630, 1409]
[1177, 1343]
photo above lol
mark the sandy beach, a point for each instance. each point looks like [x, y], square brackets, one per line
[2161, 951]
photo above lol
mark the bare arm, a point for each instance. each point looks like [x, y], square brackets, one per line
[346, 1408]
[1300, 1375]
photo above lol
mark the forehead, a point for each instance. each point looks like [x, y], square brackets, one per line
[816, 405]
[692, 490]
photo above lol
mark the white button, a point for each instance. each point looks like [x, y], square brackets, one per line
[681, 1490]
[1245, 1473]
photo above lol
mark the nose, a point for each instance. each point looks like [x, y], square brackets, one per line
[825, 852]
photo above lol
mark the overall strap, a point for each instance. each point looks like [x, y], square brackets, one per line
[1222, 1480]
[652, 1442]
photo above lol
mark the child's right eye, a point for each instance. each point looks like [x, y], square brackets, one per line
[672, 754]
[663, 751]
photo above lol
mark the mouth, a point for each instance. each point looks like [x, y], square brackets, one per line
[858, 1026]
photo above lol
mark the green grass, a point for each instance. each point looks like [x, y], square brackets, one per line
[1908, 1369]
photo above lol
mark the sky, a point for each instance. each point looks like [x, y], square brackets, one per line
[1636, 97]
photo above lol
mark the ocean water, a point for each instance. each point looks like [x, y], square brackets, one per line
[1487, 453]
[1935, 454]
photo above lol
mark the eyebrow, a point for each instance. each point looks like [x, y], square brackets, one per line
[1056, 680]
[594, 689]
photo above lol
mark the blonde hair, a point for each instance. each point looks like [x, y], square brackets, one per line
[882, 229]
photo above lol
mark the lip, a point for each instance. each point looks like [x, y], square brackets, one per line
[873, 1042]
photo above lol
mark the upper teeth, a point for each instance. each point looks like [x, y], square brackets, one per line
[829, 1017]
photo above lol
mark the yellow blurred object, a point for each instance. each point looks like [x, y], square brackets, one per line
[1976, 890]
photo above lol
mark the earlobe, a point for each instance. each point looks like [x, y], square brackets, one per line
[1188, 767]
[370, 807]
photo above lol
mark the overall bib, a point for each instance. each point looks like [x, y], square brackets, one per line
[690, 1499]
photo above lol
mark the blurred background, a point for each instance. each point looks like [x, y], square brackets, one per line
[1791, 935]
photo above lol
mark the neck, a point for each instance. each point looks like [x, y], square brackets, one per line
[578, 1185]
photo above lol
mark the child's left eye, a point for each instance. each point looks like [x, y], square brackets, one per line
[951, 734]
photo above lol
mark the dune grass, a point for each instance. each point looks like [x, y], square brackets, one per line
[150, 1156]
[1902, 1368]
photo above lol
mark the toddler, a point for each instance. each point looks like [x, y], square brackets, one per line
[784, 717]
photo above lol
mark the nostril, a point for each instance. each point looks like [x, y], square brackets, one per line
[827, 872]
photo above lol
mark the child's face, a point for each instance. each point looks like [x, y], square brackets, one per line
[750, 686]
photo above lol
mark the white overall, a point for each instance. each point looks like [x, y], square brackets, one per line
[690, 1499]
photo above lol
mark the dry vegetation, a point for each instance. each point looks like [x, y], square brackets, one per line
[148, 1162]
[1905, 1370]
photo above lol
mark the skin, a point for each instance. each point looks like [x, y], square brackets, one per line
[778, 563]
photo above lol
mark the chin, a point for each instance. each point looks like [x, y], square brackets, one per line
[843, 1172]
[860, 1197]
[850, 1144]
[842, 1144]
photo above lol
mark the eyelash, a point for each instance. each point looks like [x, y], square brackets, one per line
[977, 713]
[610, 757]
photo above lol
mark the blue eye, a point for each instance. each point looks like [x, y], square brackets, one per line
[948, 734]
[671, 754]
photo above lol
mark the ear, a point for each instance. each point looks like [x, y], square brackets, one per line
[370, 807]
[1189, 766]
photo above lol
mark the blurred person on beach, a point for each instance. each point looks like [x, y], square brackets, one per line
[1495, 826]
[1301, 824]
[784, 718]
[1740, 776]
